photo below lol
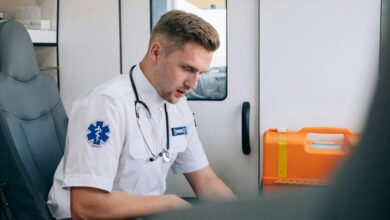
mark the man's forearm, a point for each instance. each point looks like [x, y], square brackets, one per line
[89, 203]
[207, 185]
[214, 189]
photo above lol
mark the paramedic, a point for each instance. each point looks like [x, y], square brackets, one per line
[126, 134]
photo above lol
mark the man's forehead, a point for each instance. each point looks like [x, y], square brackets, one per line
[194, 56]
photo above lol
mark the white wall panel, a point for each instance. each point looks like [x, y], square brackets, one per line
[88, 45]
[135, 31]
[318, 62]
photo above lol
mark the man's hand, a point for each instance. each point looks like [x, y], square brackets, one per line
[177, 202]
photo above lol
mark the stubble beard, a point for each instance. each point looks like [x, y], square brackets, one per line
[162, 82]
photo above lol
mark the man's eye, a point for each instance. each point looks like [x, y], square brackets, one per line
[188, 69]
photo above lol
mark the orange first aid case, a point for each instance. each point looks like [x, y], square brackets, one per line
[291, 158]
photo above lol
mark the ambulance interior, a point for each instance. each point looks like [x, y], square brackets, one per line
[292, 113]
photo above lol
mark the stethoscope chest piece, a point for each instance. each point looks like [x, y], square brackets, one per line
[166, 156]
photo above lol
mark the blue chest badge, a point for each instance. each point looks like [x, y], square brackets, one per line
[179, 131]
[98, 133]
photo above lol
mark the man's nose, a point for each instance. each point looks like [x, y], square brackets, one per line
[192, 81]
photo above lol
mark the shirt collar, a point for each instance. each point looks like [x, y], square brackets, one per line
[146, 92]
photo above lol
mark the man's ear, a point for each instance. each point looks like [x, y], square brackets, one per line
[155, 51]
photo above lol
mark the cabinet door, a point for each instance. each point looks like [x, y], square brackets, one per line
[219, 122]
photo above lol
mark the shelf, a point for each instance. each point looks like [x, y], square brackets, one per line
[48, 68]
[42, 38]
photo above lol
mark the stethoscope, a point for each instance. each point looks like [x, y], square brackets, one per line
[166, 156]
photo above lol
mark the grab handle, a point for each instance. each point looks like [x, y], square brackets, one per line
[246, 148]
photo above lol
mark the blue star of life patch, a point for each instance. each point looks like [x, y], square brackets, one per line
[98, 133]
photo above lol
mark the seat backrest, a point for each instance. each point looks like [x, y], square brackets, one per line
[33, 125]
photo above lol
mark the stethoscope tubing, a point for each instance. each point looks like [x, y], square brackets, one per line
[138, 101]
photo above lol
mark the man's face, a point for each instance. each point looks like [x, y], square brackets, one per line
[178, 71]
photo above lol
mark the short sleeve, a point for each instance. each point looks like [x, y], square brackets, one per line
[194, 157]
[94, 143]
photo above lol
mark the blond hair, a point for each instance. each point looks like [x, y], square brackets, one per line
[175, 28]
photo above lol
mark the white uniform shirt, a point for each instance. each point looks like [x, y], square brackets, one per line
[105, 148]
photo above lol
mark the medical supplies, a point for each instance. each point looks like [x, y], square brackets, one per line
[305, 157]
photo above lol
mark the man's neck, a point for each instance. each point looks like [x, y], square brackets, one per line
[147, 71]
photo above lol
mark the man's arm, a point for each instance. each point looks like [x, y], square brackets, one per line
[207, 185]
[91, 203]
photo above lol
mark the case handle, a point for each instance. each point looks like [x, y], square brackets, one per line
[348, 136]
[326, 130]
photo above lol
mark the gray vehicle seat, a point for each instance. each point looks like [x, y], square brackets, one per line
[33, 126]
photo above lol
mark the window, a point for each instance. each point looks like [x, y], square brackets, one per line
[213, 84]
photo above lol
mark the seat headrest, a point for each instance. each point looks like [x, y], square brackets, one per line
[17, 55]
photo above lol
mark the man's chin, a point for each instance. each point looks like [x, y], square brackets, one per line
[174, 97]
[173, 100]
